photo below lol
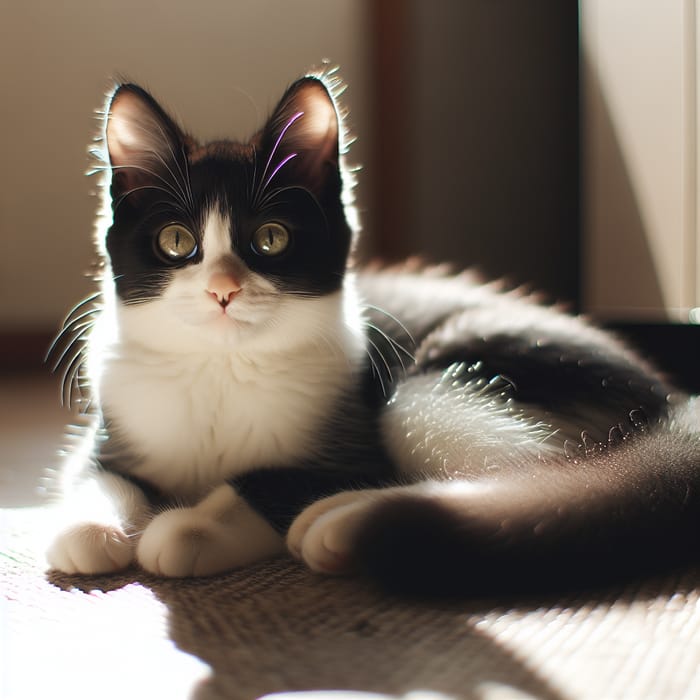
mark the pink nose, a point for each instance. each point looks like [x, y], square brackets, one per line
[223, 288]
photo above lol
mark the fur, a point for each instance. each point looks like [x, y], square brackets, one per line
[439, 433]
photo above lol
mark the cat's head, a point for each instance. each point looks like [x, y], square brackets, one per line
[224, 241]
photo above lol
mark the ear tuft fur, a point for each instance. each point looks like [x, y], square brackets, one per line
[145, 147]
[301, 140]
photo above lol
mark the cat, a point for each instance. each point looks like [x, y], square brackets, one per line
[248, 391]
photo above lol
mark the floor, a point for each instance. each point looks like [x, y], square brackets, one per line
[53, 625]
[277, 627]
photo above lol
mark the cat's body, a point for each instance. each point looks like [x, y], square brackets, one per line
[239, 375]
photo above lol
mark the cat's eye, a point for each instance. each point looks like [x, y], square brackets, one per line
[271, 239]
[176, 242]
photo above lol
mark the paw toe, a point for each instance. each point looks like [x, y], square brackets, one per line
[329, 544]
[308, 517]
[90, 549]
[173, 546]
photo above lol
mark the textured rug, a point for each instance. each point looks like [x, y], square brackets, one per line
[277, 628]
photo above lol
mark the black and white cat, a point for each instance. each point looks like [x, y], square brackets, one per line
[246, 388]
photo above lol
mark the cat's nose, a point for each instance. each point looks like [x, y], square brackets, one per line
[223, 288]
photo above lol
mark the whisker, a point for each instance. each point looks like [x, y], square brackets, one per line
[68, 328]
[383, 359]
[377, 372]
[293, 119]
[183, 180]
[177, 182]
[262, 203]
[188, 183]
[68, 378]
[395, 345]
[278, 168]
[167, 186]
[133, 190]
[167, 140]
[87, 300]
[394, 319]
[80, 333]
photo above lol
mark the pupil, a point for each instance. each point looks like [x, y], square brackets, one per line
[177, 239]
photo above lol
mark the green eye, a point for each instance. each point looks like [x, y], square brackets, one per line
[176, 242]
[271, 239]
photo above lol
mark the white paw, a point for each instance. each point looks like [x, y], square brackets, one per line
[182, 542]
[324, 534]
[90, 548]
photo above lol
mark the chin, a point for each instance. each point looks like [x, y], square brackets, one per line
[225, 333]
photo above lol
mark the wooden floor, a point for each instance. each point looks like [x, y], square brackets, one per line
[31, 428]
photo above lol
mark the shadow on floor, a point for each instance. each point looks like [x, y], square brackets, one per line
[278, 627]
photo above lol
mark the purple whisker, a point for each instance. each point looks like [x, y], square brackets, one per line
[294, 118]
[278, 168]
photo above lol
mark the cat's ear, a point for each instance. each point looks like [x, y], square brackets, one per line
[144, 145]
[300, 143]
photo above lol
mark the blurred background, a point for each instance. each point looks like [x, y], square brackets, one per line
[548, 141]
[465, 114]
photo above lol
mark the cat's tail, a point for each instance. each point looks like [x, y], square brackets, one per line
[619, 511]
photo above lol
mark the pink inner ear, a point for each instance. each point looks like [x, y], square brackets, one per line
[305, 137]
[316, 133]
[134, 134]
[317, 130]
[121, 128]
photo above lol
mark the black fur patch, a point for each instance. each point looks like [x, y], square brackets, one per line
[188, 180]
[279, 495]
[569, 378]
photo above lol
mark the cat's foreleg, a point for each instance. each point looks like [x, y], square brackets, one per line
[97, 520]
[220, 533]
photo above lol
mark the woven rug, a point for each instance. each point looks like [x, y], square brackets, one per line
[278, 628]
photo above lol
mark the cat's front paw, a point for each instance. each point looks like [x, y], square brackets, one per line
[182, 542]
[90, 548]
[325, 533]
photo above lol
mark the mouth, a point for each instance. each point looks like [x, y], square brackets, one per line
[229, 320]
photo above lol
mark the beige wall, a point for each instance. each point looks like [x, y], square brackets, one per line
[220, 65]
[640, 158]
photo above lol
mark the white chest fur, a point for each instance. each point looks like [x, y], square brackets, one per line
[191, 419]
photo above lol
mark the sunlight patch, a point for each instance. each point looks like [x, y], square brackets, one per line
[107, 643]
